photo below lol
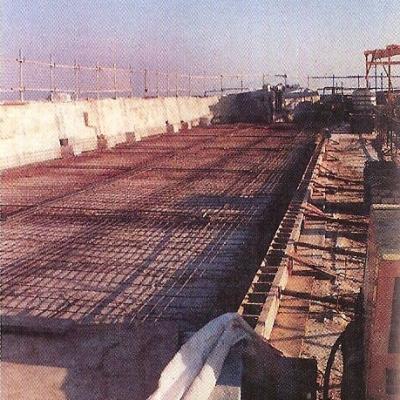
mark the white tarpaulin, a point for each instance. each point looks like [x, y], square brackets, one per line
[194, 370]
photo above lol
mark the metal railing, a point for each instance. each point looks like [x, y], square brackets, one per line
[340, 83]
[23, 78]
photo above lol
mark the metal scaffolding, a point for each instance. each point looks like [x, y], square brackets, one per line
[31, 79]
[385, 58]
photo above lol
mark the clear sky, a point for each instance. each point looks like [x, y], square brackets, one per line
[299, 37]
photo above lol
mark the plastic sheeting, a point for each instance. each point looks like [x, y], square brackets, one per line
[194, 370]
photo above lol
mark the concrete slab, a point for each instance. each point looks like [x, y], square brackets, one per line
[86, 362]
[229, 384]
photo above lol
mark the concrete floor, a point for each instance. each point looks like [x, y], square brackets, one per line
[86, 362]
[134, 246]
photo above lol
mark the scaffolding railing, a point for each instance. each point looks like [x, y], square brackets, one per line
[22, 78]
[341, 83]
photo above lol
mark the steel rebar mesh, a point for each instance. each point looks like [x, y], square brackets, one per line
[167, 228]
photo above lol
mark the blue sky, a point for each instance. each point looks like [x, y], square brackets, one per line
[299, 37]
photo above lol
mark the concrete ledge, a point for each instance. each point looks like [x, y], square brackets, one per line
[229, 384]
[34, 325]
[31, 132]
[87, 362]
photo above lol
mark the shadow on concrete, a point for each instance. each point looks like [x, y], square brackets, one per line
[84, 362]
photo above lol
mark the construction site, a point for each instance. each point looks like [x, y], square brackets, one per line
[219, 242]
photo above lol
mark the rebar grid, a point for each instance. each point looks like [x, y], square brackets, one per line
[167, 228]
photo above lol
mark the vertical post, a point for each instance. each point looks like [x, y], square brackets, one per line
[131, 80]
[115, 80]
[97, 80]
[146, 89]
[189, 85]
[358, 81]
[333, 84]
[376, 79]
[157, 87]
[52, 82]
[382, 81]
[222, 84]
[263, 81]
[167, 84]
[76, 81]
[176, 85]
[308, 81]
[21, 76]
